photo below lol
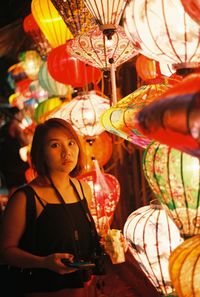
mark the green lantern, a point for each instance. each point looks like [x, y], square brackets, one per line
[174, 177]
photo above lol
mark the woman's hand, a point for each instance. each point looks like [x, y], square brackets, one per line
[54, 262]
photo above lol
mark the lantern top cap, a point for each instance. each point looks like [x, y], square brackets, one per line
[155, 204]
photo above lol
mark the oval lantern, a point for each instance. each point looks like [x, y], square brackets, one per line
[174, 178]
[106, 192]
[174, 118]
[69, 70]
[45, 107]
[31, 64]
[50, 22]
[184, 267]
[152, 236]
[192, 7]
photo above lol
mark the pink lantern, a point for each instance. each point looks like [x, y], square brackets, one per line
[106, 192]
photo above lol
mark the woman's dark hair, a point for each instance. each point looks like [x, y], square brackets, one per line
[37, 147]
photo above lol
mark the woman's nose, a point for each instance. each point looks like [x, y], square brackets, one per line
[65, 152]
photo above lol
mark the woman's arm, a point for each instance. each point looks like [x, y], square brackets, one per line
[12, 229]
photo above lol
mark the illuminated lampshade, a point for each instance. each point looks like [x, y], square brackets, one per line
[161, 30]
[69, 70]
[174, 118]
[120, 119]
[53, 87]
[45, 107]
[31, 63]
[192, 7]
[50, 22]
[174, 178]
[83, 113]
[75, 14]
[99, 147]
[152, 236]
[31, 27]
[184, 268]
[106, 192]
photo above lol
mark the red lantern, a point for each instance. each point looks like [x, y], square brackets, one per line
[69, 70]
[106, 191]
[192, 7]
[174, 118]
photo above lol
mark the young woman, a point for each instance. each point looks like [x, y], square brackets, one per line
[49, 220]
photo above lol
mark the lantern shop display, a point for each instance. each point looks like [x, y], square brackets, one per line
[174, 178]
[152, 236]
[174, 118]
[184, 268]
[69, 70]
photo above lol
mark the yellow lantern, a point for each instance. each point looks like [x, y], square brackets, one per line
[50, 22]
[184, 268]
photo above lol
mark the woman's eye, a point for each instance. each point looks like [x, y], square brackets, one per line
[55, 144]
[72, 142]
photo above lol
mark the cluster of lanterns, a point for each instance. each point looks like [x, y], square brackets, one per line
[78, 41]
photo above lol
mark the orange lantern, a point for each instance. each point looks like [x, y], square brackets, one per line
[147, 68]
[192, 7]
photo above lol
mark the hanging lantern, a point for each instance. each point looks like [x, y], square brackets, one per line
[22, 87]
[37, 92]
[44, 108]
[69, 70]
[161, 30]
[120, 119]
[192, 7]
[31, 64]
[75, 14]
[152, 236]
[174, 178]
[99, 148]
[53, 87]
[184, 268]
[33, 30]
[106, 192]
[174, 118]
[83, 113]
[17, 72]
[50, 22]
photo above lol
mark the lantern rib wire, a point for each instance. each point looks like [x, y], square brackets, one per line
[197, 46]
[90, 5]
[198, 204]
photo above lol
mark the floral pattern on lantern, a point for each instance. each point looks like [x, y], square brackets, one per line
[161, 30]
[120, 119]
[152, 236]
[174, 178]
[184, 268]
[94, 48]
[83, 113]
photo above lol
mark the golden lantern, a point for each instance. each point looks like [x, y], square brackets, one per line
[184, 268]
[50, 22]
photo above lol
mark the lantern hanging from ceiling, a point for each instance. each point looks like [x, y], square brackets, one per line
[70, 70]
[174, 178]
[174, 118]
[192, 7]
[53, 87]
[120, 119]
[99, 148]
[94, 48]
[50, 22]
[106, 192]
[184, 268]
[75, 14]
[161, 30]
[45, 107]
[33, 30]
[31, 64]
[83, 113]
[152, 236]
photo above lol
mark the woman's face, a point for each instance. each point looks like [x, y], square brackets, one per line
[61, 151]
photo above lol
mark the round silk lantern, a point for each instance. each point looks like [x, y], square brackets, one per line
[174, 178]
[44, 108]
[31, 64]
[83, 113]
[50, 22]
[161, 30]
[106, 192]
[69, 70]
[152, 236]
[174, 118]
[192, 7]
[184, 268]
[120, 119]
[99, 147]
